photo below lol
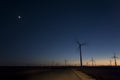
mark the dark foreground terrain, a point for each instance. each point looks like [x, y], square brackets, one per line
[37, 73]
[27, 73]
[103, 72]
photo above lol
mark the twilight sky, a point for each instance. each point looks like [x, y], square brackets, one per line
[48, 31]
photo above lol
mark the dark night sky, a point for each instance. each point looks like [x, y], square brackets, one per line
[48, 31]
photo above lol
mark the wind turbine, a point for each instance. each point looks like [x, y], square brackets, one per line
[93, 61]
[80, 47]
[87, 63]
[115, 57]
[65, 62]
[110, 62]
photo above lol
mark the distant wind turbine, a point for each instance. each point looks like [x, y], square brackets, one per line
[115, 59]
[110, 62]
[80, 46]
[93, 61]
[65, 62]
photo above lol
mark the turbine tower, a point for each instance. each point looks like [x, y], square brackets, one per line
[115, 57]
[80, 47]
[110, 62]
[87, 64]
[65, 62]
[93, 61]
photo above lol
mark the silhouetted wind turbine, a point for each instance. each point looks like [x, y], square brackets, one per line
[65, 62]
[110, 62]
[93, 61]
[115, 57]
[80, 45]
[87, 63]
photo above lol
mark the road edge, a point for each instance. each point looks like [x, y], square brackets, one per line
[82, 75]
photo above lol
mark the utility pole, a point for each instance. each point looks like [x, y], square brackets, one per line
[80, 46]
[115, 57]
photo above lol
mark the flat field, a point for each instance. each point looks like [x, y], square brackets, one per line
[103, 72]
[25, 73]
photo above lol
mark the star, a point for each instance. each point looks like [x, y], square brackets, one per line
[19, 17]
